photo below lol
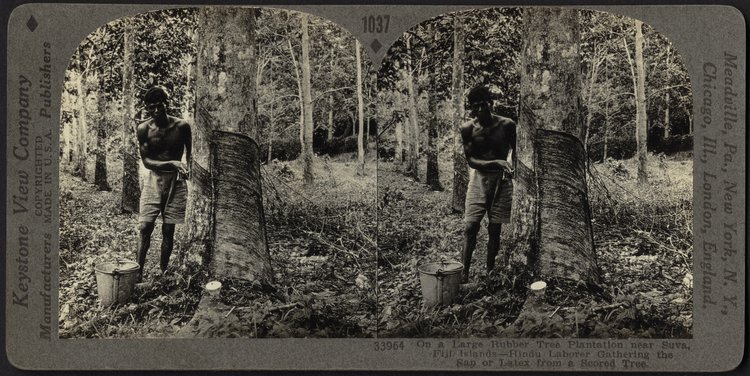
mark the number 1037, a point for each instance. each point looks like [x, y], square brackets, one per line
[376, 24]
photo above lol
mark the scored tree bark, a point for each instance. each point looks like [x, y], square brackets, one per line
[225, 214]
[551, 215]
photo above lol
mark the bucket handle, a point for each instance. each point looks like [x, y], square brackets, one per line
[439, 274]
[116, 280]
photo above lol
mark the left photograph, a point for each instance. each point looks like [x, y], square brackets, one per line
[218, 179]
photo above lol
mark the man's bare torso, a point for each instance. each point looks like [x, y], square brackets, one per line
[163, 143]
[489, 143]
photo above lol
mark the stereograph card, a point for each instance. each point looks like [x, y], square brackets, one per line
[375, 187]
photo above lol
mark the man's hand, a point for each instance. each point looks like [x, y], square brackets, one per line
[181, 168]
[505, 165]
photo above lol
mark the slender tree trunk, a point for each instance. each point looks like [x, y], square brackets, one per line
[65, 138]
[225, 212]
[82, 131]
[299, 96]
[460, 167]
[606, 128]
[130, 188]
[666, 98]
[307, 146]
[68, 135]
[433, 170]
[271, 122]
[100, 169]
[399, 154]
[551, 215]
[330, 117]
[360, 113]
[593, 75]
[641, 128]
[412, 165]
[329, 136]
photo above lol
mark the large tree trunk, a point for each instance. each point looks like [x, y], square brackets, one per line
[641, 127]
[307, 146]
[360, 112]
[460, 167]
[551, 215]
[130, 188]
[100, 166]
[225, 215]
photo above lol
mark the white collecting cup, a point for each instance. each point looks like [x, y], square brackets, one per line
[537, 288]
[213, 288]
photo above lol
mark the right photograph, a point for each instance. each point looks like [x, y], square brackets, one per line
[535, 178]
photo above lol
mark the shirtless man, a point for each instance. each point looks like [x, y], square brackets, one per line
[162, 140]
[489, 144]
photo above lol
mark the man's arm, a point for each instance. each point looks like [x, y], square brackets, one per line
[188, 136]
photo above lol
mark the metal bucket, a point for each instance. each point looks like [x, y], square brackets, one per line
[439, 281]
[115, 281]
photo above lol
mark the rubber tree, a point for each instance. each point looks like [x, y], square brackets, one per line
[226, 225]
[551, 214]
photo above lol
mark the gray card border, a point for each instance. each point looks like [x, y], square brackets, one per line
[700, 33]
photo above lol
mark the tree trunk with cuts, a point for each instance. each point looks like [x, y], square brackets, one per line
[225, 213]
[360, 113]
[100, 166]
[460, 166]
[307, 146]
[641, 127]
[130, 188]
[551, 215]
